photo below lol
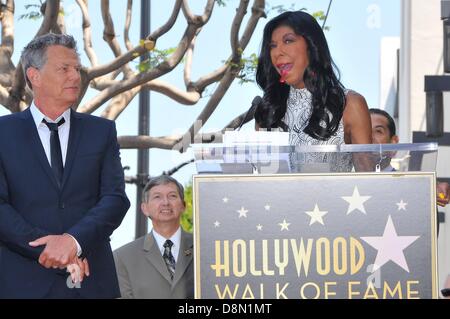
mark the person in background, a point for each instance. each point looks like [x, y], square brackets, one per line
[159, 265]
[384, 132]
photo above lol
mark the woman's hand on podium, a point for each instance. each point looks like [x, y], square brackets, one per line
[442, 193]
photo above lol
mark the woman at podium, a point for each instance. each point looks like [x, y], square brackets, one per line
[303, 94]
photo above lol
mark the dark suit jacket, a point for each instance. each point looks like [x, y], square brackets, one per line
[143, 274]
[89, 205]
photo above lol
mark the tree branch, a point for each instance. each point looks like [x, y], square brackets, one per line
[236, 25]
[50, 16]
[160, 86]
[149, 75]
[109, 35]
[175, 169]
[169, 24]
[148, 45]
[206, 80]
[164, 142]
[188, 63]
[19, 97]
[144, 142]
[7, 22]
[119, 103]
[193, 94]
[230, 74]
[180, 96]
[126, 29]
[209, 108]
[119, 61]
[87, 32]
[7, 44]
[257, 13]
[14, 103]
[169, 142]
[60, 26]
[196, 19]
[187, 12]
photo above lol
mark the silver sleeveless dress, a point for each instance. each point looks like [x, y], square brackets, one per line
[298, 112]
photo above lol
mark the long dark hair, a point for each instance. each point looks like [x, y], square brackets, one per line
[320, 79]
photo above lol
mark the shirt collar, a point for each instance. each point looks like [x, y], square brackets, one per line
[38, 116]
[175, 238]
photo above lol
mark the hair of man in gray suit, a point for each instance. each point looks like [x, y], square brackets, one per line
[162, 180]
[163, 202]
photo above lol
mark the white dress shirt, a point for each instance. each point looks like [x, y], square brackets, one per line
[44, 131]
[44, 135]
[176, 238]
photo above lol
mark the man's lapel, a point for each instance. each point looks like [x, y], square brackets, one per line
[76, 124]
[184, 257]
[153, 255]
[36, 145]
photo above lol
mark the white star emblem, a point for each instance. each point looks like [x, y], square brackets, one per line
[402, 205]
[242, 212]
[216, 224]
[259, 227]
[316, 215]
[267, 207]
[390, 246]
[356, 201]
[284, 225]
[225, 200]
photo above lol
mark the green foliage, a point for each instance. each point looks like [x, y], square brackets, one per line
[186, 218]
[320, 16]
[34, 14]
[247, 66]
[221, 3]
[155, 57]
[280, 8]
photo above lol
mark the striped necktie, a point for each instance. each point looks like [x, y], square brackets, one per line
[168, 257]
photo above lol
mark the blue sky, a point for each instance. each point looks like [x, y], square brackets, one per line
[356, 28]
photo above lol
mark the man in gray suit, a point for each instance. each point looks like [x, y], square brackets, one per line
[159, 264]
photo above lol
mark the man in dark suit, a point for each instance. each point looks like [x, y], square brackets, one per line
[62, 188]
[159, 265]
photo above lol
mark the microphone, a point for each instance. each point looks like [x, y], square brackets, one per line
[256, 101]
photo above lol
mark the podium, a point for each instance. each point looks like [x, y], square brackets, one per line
[350, 221]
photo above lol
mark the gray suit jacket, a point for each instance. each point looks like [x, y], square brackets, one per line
[142, 272]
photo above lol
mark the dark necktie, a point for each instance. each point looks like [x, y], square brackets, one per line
[55, 149]
[168, 257]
